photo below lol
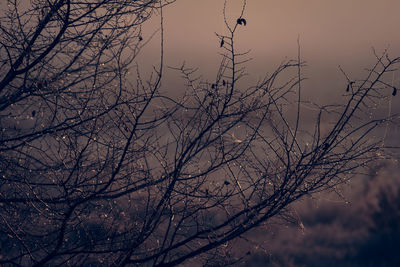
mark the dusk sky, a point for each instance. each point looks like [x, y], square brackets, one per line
[329, 30]
[331, 33]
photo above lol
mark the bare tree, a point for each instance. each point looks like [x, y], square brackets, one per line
[99, 170]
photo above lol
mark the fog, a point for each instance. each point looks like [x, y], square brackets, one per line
[331, 33]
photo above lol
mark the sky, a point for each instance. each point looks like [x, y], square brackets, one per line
[329, 30]
[331, 33]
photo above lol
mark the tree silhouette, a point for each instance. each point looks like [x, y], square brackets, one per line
[99, 170]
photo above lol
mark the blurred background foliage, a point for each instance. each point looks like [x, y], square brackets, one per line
[360, 228]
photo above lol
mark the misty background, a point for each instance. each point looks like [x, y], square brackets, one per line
[361, 226]
[331, 33]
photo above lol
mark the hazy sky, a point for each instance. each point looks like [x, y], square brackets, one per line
[329, 29]
[331, 33]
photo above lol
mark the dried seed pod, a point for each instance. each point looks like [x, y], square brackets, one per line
[222, 42]
[349, 85]
[394, 91]
[241, 21]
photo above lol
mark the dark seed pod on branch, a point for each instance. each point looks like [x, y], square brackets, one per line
[394, 91]
[222, 42]
[349, 85]
[241, 21]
